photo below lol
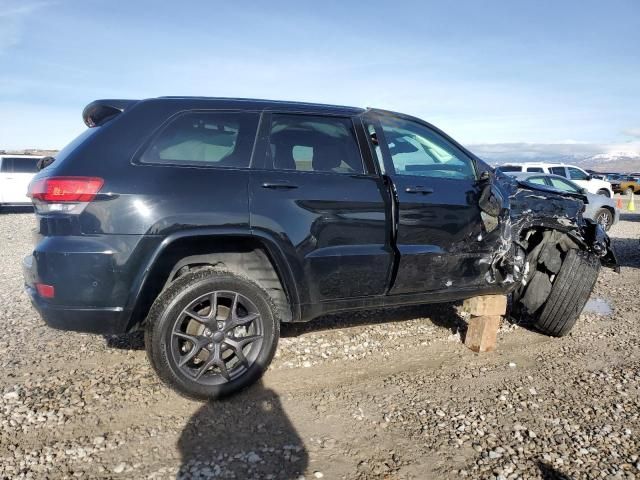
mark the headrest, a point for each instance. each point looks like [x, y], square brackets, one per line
[326, 157]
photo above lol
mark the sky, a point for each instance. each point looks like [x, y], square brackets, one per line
[487, 72]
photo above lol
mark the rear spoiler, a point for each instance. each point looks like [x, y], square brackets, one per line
[99, 111]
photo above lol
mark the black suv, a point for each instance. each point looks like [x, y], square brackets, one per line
[207, 222]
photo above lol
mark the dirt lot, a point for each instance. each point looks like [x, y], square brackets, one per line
[378, 395]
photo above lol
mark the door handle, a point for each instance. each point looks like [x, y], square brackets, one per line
[419, 189]
[279, 185]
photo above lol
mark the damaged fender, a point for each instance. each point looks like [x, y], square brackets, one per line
[512, 209]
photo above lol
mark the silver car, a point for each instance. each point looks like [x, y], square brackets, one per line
[599, 208]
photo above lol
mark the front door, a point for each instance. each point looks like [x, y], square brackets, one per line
[439, 231]
[327, 211]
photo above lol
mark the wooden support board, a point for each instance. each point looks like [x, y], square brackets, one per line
[486, 313]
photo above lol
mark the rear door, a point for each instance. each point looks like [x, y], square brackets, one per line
[313, 194]
[439, 230]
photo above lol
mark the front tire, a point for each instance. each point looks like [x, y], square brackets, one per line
[569, 294]
[211, 333]
[605, 218]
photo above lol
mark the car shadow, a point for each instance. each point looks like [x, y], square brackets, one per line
[125, 341]
[627, 251]
[549, 473]
[630, 217]
[246, 436]
[443, 315]
[17, 210]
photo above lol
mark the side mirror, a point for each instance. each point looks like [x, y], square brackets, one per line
[584, 191]
[589, 177]
[484, 177]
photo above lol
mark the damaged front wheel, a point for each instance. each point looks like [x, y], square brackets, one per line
[552, 303]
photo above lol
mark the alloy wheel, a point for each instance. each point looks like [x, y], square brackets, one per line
[217, 337]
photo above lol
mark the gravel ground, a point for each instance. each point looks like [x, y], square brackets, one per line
[389, 395]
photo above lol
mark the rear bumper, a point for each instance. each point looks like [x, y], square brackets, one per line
[90, 320]
[91, 289]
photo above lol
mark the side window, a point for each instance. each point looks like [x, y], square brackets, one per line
[216, 139]
[576, 174]
[7, 165]
[509, 168]
[535, 169]
[558, 171]
[25, 165]
[563, 185]
[417, 150]
[314, 144]
[537, 180]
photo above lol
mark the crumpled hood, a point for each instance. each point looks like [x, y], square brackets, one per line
[513, 207]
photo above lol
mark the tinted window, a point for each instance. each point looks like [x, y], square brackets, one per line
[535, 169]
[314, 143]
[417, 150]
[220, 139]
[558, 171]
[509, 168]
[564, 185]
[24, 165]
[7, 165]
[576, 174]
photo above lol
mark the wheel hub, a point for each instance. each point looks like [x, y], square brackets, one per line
[218, 337]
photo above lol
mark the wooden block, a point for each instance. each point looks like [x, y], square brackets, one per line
[486, 305]
[482, 333]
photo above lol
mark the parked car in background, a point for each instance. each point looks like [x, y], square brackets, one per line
[16, 171]
[576, 174]
[599, 208]
[628, 185]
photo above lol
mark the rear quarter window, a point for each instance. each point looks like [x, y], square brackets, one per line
[214, 139]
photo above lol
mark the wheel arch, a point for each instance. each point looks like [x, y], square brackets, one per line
[241, 252]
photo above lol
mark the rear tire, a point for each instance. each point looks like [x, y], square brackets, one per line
[211, 333]
[569, 294]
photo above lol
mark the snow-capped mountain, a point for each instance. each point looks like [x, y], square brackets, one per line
[601, 157]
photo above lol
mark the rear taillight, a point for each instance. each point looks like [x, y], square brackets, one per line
[64, 194]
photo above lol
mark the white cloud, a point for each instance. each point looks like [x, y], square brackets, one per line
[632, 132]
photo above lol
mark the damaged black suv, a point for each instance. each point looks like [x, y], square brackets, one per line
[207, 222]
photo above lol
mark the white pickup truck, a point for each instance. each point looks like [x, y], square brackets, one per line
[573, 173]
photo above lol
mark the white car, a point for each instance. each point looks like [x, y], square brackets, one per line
[573, 173]
[16, 171]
